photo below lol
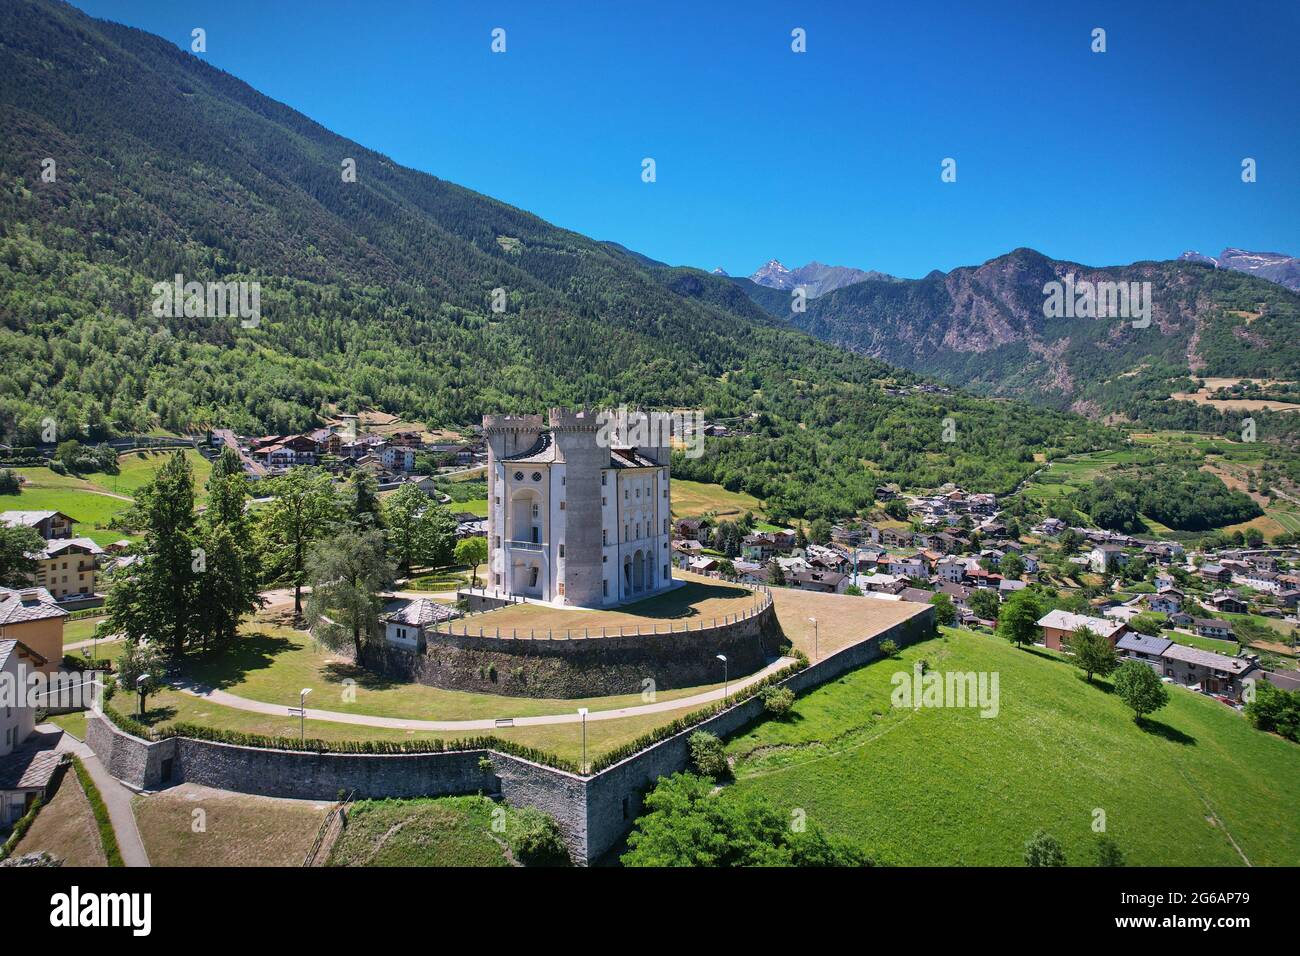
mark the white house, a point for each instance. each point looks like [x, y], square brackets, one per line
[26, 768]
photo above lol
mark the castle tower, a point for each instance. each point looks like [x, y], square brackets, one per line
[575, 436]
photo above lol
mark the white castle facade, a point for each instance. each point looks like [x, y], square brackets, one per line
[575, 515]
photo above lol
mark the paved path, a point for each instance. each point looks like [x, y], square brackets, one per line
[368, 720]
[117, 797]
[78, 645]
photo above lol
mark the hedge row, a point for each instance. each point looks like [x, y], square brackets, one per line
[107, 835]
[20, 828]
[662, 733]
[312, 745]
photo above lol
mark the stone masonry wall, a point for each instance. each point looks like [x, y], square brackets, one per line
[593, 813]
[582, 667]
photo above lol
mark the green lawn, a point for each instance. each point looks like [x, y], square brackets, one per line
[446, 831]
[170, 706]
[92, 501]
[273, 664]
[947, 787]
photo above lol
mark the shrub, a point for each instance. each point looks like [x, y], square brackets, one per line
[889, 647]
[777, 701]
[1109, 853]
[107, 836]
[707, 755]
[535, 839]
[20, 828]
[1043, 849]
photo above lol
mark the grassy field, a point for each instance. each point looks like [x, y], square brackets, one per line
[65, 828]
[172, 706]
[237, 829]
[273, 664]
[698, 601]
[93, 500]
[446, 831]
[692, 499]
[943, 786]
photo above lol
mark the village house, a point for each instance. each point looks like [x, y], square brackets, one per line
[1228, 602]
[1106, 557]
[66, 568]
[1215, 572]
[908, 567]
[48, 524]
[1213, 627]
[398, 457]
[951, 570]
[1266, 581]
[1059, 626]
[28, 761]
[1165, 601]
[1207, 671]
[1141, 647]
[828, 582]
[687, 529]
[32, 616]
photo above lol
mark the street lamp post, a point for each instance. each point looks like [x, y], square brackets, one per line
[725, 689]
[140, 683]
[582, 712]
[816, 653]
[302, 713]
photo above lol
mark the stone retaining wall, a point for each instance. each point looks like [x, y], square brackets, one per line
[582, 666]
[594, 813]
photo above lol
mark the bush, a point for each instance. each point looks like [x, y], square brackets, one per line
[1043, 849]
[1109, 853]
[889, 647]
[535, 839]
[777, 701]
[707, 755]
[107, 836]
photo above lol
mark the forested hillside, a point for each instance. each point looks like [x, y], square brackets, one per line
[984, 327]
[376, 293]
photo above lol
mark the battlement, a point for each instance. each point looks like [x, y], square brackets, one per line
[585, 419]
[498, 424]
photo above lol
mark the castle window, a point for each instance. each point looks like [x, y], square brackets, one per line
[537, 509]
[604, 588]
[603, 500]
[561, 505]
[561, 588]
[537, 476]
[603, 476]
[625, 494]
[604, 536]
[532, 578]
[561, 549]
[519, 476]
[563, 480]
[665, 572]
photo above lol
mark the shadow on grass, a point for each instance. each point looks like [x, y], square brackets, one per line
[227, 665]
[681, 602]
[336, 672]
[155, 715]
[1172, 734]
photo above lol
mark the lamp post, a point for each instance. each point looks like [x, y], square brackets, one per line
[725, 693]
[816, 653]
[140, 683]
[582, 712]
[302, 713]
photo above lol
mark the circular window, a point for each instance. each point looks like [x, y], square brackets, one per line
[519, 476]
[537, 476]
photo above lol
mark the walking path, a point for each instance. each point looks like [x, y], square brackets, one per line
[117, 797]
[572, 717]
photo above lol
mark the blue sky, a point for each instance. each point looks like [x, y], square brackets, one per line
[833, 154]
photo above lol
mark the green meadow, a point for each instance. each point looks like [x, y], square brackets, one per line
[1196, 785]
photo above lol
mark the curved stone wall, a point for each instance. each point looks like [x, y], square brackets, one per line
[578, 666]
